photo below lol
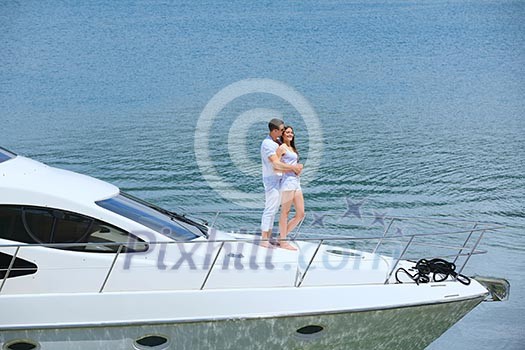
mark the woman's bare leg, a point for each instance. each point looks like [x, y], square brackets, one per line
[298, 202]
[286, 205]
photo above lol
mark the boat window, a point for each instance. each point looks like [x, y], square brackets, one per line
[6, 155]
[53, 226]
[19, 267]
[39, 223]
[152, 217]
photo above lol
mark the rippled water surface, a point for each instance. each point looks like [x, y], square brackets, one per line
[421, 105]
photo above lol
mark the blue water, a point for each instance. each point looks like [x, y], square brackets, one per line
[421, 105]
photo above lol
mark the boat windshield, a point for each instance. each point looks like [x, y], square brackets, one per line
[5, 155]
[167, 223]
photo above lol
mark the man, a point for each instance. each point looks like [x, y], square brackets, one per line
[272, 169]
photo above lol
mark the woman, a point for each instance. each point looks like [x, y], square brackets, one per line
[291, 192]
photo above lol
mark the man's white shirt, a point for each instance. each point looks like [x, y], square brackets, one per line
[268, 148]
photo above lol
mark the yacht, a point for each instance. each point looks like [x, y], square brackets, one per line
[84, 265]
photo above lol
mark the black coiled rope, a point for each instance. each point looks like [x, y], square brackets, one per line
[440, 268]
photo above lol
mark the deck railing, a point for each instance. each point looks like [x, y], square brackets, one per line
[466, 249]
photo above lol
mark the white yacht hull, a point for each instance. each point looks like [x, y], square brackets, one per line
[85, 266]
[395, 316]
[411, 327]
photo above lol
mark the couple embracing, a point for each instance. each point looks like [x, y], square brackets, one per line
[280, 171]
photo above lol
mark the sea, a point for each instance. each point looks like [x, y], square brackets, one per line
[400, 108]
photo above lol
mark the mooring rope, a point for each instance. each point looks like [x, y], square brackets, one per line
[440, 268]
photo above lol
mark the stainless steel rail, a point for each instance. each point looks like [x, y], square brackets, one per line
[467, 249]
[111, 268]
[11, 263]
[309, 264]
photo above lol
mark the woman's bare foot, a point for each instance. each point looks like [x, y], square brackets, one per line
[286, 245]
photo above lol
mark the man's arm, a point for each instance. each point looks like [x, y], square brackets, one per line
[280, 166]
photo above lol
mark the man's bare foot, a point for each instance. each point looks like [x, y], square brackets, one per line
[266, 244]
[286, 245]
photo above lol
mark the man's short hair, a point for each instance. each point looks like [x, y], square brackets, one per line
[274, 124]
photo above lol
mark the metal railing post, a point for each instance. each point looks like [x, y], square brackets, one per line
[465, 243]
[310, 263]
[215, 218]
[384, 235]
[211, 267]
[471, 251]
[111, 268]
[11, 264]
[298, 229]
[399, 259]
